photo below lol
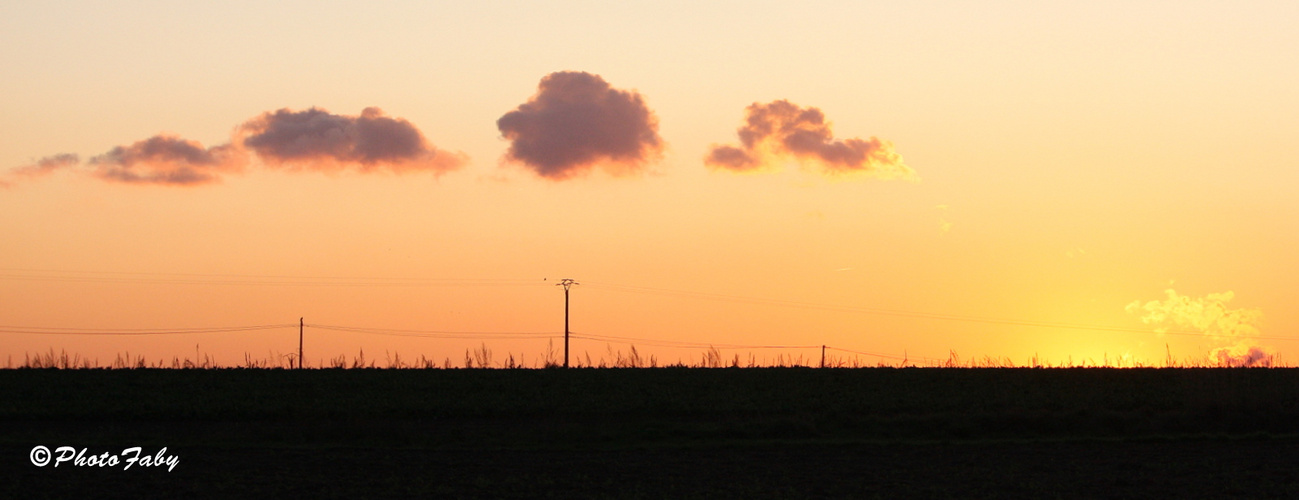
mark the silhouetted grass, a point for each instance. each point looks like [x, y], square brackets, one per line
[483, 357]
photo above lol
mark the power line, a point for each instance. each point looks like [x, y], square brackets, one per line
[878, 355]
[698, 345]
[284, 280]
[249, 279]
[683, 343]
[444, 334]
[912, 314]
[39, 330]
[122, 277]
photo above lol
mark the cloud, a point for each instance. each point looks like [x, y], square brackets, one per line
[48, 164]
[304, 140]
[1211, 316]
[781, 129]
[576, 121]
[41, 167]
[168, 160]
[1208, 314]
[318, 139]
[944, 225]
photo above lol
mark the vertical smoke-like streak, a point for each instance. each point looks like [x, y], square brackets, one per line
[1232, 327]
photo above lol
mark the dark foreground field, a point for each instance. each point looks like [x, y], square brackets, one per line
[659, 433]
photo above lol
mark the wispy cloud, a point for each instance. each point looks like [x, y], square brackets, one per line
[314, 139]
[41, 167]
[167, 159]
[780, 129]
[48, 164]
[944, 225]
[577, 121]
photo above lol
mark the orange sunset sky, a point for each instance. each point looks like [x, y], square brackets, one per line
[1002, 179]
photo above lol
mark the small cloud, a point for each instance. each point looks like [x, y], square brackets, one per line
[318, 139]
[577, 121]
[944, 225]
[781, 129]
[733, 158]
[168, 160]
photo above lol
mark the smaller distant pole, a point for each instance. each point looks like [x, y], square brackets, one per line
[299, 343]
[822, 355]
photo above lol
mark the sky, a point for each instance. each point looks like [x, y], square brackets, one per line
[1070, 181]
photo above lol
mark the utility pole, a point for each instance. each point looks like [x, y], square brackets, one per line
[299, 343]
[566, 283]
[822, 355]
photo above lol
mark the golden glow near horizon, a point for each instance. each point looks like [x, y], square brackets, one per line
[1089, 183]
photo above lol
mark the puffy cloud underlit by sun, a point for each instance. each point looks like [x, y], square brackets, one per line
[780, 129]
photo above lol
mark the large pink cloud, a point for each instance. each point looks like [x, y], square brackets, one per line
[577, 121]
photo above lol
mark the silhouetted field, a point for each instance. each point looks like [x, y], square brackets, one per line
[664, 432]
